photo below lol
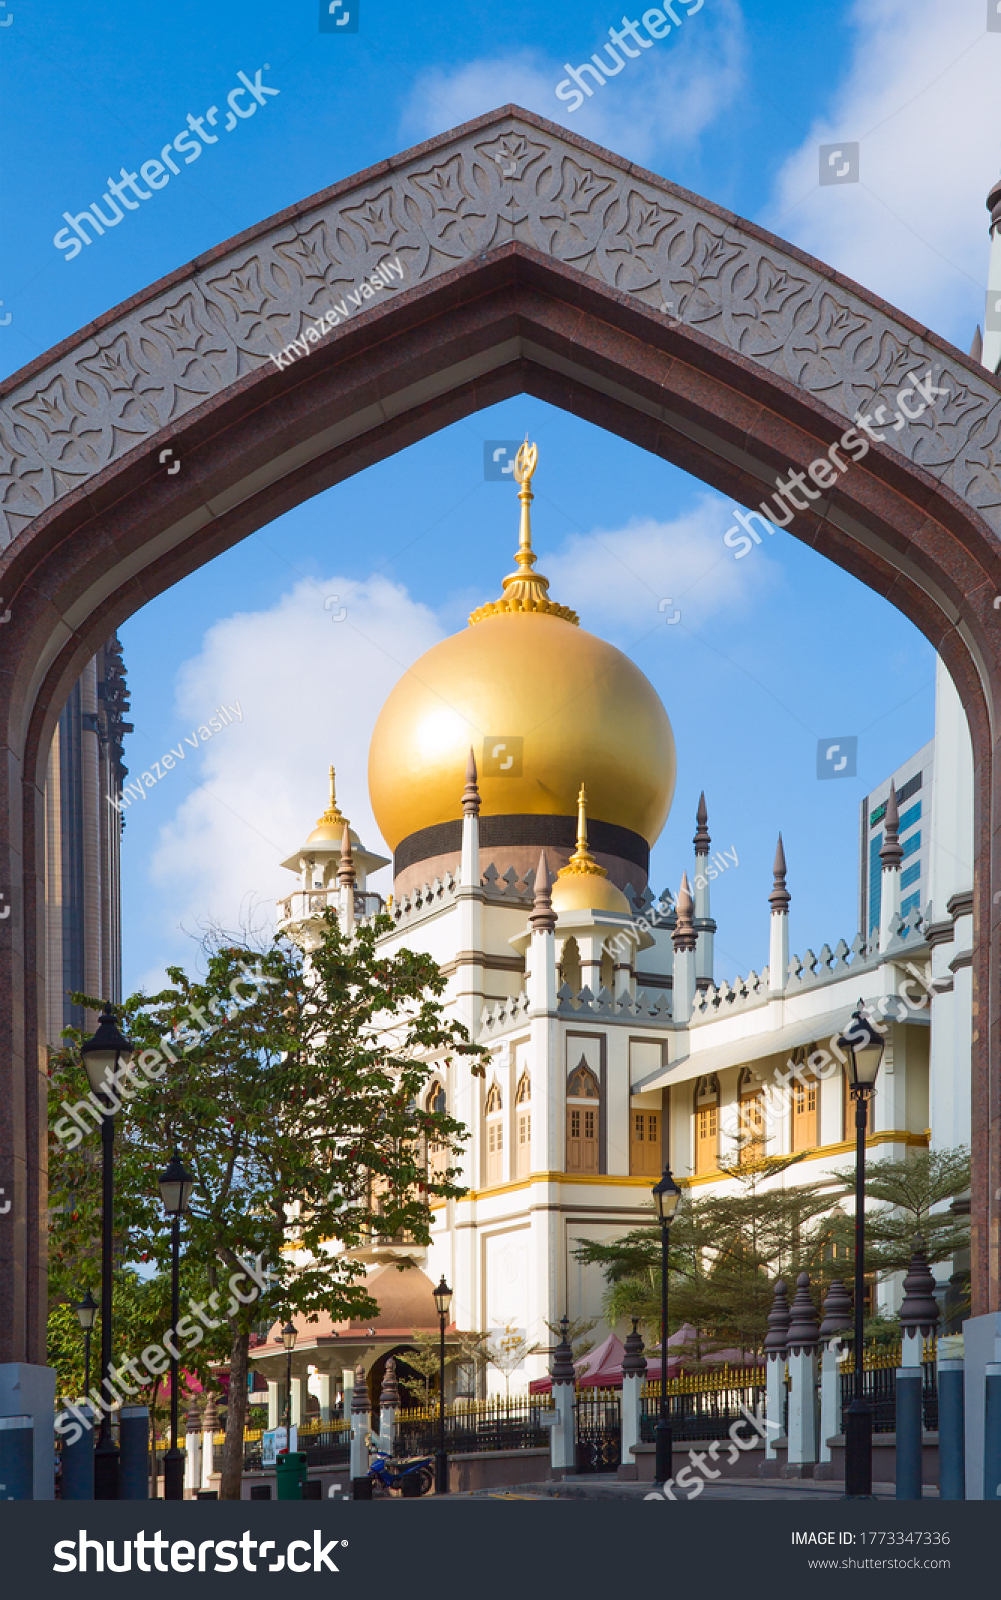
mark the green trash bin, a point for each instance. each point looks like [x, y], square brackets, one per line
[290, 1474]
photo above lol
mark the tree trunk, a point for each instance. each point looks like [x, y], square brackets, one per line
[236, 1412]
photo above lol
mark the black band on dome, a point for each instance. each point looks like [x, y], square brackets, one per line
[496, 833]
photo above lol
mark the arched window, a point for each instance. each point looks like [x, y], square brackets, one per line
[437, 1153]
[751, 1102]
[494, 1112]
[523, 1126]
[582, 1119]
[805, 1091]
[644, 1144]
[707, 1125]
[570, 966]
[608, 971]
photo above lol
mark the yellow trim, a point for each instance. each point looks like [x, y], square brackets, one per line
[820, 1152]
[603, 1178]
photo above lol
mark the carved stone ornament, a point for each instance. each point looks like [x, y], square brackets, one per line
[106, 393]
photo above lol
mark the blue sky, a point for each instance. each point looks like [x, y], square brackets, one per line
[770, 653]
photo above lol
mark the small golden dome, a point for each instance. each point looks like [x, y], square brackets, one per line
[583, 885]
[540, 700]
[330, 826]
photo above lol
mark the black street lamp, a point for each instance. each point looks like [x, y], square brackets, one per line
[102, 1055]
[864, 1048]
[289, 1336]
[86, 1311]
[175, 1191]
[442, 1301]
[666, 1195]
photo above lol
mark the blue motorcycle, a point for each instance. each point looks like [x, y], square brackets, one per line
[391, 1474]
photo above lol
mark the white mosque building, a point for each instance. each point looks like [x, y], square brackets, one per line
[521, 866]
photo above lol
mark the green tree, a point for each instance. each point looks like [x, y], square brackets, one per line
[577, 1331]
[423, 1356]
[910, 1190]
[297, 1109]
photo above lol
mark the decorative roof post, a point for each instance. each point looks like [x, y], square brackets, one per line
[192, 1449]
[705, 927]
[389, 1401]
[361, 1423]
[778, 948]
[683, 939]
[541, 985]
[775, 1372]
[346, 882]
[891, 854]
[803, 1337]
[919, 1312]
[562, 1441]
[837, 1310]
[633, 1378]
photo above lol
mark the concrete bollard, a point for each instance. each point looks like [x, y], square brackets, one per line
[951, 1432]
[77, 1482]
[133, 1426]
[803, 1337]
[17, 1458]
[992, 1432]
[908, 1429]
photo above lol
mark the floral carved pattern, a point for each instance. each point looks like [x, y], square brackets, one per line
[116, 390]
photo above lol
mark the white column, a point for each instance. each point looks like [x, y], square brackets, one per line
[891, 854]
[326, 1396]
[387, 1428]
[274, 1405]
[775, 1373]
[208, 1452]
[562, 1452]
[632, 1393]
[192, 1454]
[704, 956]
[830, 1398]
[361, 1423]
[299, 1401]
[802, 1452]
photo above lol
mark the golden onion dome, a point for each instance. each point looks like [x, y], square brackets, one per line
[540, 700]
[583, 885]
[330, 827]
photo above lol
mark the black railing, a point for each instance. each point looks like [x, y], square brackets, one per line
[700, 1413]
[514, 1424]
[879, 1387]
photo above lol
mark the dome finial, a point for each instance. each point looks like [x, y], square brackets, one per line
[525, 589]
[582, 861]
[333, 814]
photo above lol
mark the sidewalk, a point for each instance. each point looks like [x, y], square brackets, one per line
[606, 1487]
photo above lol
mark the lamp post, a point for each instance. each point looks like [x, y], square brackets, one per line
[666, 1195]
[289, 1337]
[175, 1192]
[86, 1311]
[442, 1301]
[102, 1056]
[864, 1048]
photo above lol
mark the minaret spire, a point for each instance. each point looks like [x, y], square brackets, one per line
[471, 793]
[582, 861]
[891, 852]
[780, 898]
[683, 937]
[543, 917]
[683, 974]
[702, 840]
[778, 944]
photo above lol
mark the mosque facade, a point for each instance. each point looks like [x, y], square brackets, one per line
[520, 828]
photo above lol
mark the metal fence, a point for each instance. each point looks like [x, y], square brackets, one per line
[879, 1386]
[472, 1426]
[598, 1429]
[702, 1405]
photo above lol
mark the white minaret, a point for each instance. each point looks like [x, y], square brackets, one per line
[705, 927]
[346, 882]
[778, 948]
[542, 1000]
[991, 356]
[683, 939]
[891, 854]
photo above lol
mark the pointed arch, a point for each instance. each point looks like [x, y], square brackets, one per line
[523, 1126]
[493, 1136]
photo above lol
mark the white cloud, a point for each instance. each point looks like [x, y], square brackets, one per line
[921, 97]
[310, 690]
[618, 579]
[665, 97]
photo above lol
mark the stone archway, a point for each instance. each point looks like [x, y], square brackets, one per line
[531, 261]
